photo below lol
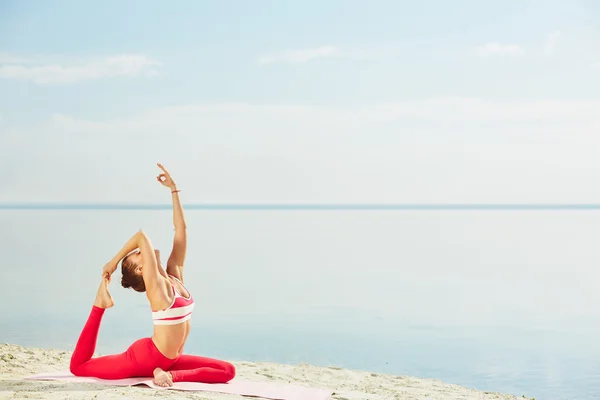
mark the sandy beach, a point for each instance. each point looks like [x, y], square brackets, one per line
[17, 362]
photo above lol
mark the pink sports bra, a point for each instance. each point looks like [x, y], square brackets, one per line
[179, 311]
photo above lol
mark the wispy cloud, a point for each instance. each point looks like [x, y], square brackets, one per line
[232, 148]
[495, 48]
[6, 58]
[300, 56]
[552, 41]
[71, 72]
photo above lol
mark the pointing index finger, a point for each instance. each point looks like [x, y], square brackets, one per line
[161, 167]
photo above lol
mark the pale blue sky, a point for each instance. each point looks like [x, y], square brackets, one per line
[385, 101]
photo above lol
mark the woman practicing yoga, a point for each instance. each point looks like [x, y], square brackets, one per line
[172, 304]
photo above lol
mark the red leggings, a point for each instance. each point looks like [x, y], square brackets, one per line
[140, 360]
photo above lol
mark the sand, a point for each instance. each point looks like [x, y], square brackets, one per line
[17, 362]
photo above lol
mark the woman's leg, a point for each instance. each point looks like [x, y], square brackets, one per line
[190, 368]
[116, 366]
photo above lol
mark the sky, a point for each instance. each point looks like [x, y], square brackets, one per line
[301, 102]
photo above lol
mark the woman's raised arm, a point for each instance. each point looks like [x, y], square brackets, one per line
[178, 253]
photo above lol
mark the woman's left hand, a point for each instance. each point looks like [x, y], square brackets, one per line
[165, 178]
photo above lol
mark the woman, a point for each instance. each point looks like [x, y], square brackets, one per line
[172, 304]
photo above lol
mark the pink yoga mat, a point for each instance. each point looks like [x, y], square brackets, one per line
[267, 390]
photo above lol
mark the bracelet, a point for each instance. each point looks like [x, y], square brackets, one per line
[175, 191]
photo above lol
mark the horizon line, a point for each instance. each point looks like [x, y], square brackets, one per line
[303, 206]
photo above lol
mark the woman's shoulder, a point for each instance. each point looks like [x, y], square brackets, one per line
[163, 295]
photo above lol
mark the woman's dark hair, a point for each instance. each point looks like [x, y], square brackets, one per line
[130, 279]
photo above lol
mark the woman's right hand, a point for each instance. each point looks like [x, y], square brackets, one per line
[109, 269]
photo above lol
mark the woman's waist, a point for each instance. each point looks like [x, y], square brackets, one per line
[170, 339]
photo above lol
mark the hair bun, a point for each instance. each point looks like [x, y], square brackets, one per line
[125, 283]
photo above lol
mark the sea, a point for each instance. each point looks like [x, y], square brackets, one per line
[494, 298]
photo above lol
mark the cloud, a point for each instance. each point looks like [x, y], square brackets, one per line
[72, 71]
[6, 58]
[443, 149]
[301, 56]
[494, 48]
[552, 41]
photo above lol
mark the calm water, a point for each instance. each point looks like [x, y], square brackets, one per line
[498, 300]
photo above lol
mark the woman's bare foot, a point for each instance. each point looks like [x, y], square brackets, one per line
[103, 298]
[162, 378]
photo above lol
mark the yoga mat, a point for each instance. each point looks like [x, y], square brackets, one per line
[267, 390]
